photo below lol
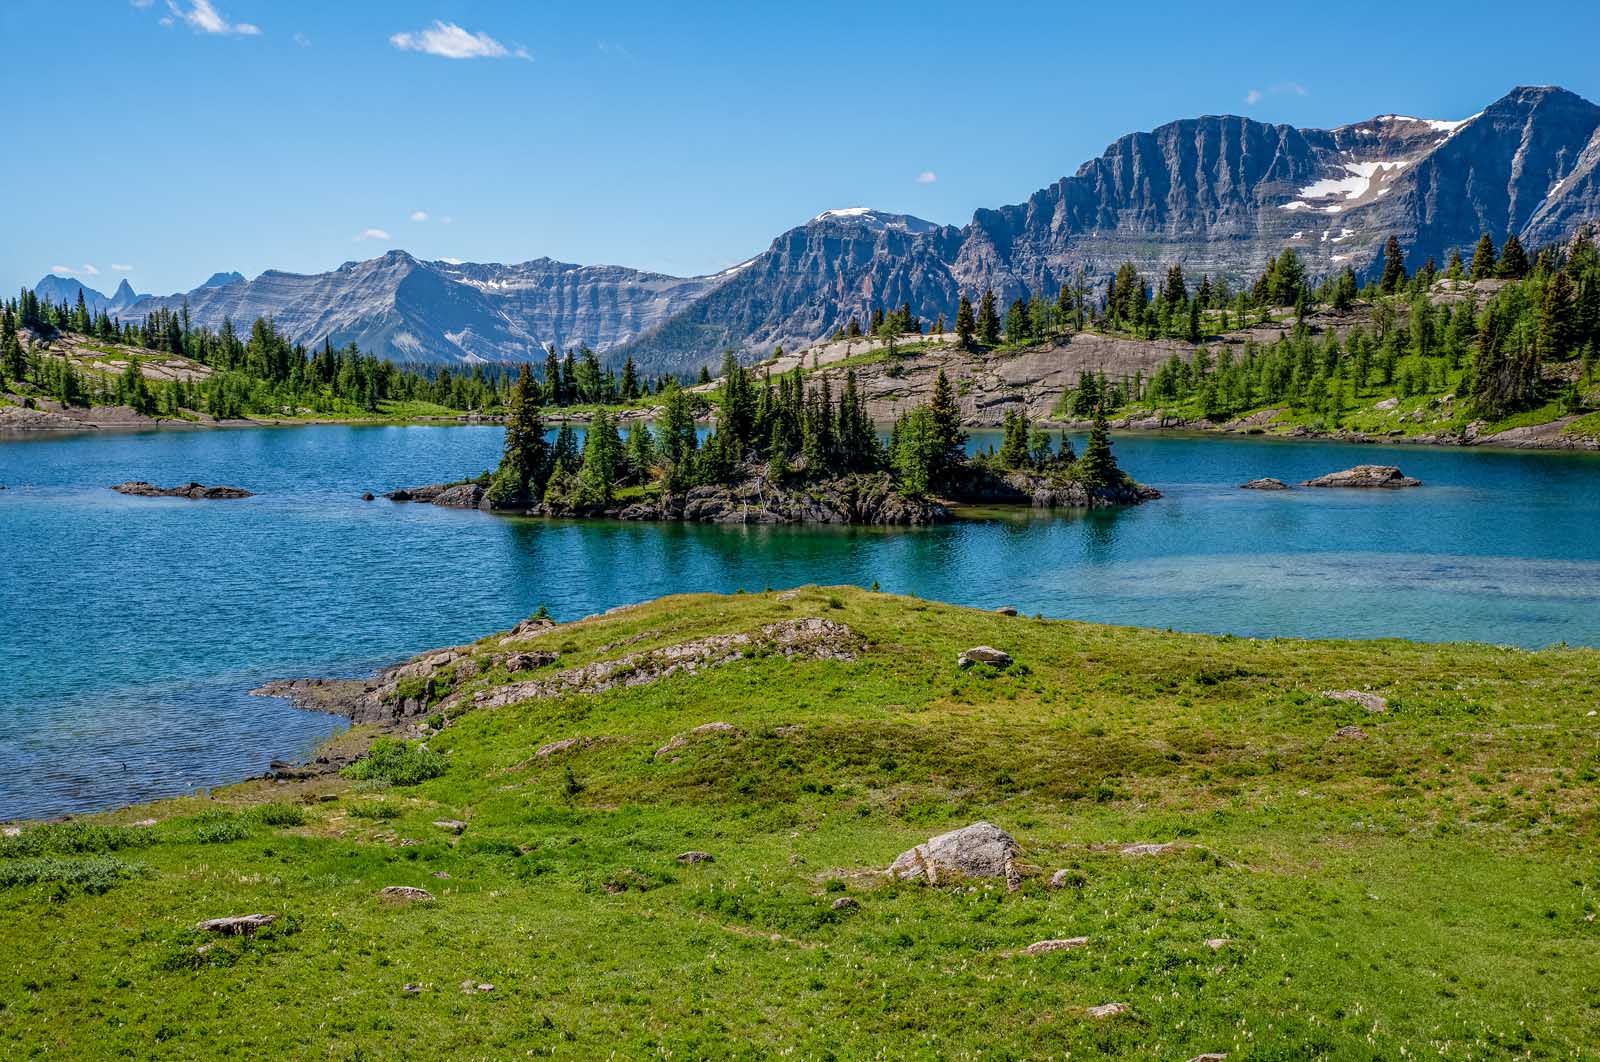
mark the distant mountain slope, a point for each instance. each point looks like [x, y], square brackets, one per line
[1218, 194]
[59, 289]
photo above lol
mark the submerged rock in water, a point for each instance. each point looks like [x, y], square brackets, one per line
[982, 850]
[138, 488]
[1385, 476]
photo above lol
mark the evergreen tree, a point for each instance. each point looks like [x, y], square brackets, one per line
[525, 463]
[1513, 260]
[1097, 469]
[1394, 267]
[1484, 264]
[988, 319]
[630, 381]
[1558, 318]
[966, 325]
[602, 462]
[950, 441]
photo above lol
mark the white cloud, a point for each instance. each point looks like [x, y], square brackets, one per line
[141, 4]
[122, 268]
[202, 17]
[1283, 88]
[419, 215]
[62, 271]
[450, 41]
[372, 234]
[927, 177]
[453, 261]
[90, 270]
[301, 39]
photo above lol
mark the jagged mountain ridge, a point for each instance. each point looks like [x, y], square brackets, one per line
[58, 289]
[1217, 194]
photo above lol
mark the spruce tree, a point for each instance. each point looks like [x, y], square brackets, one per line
[988, 319]
[1097, 469]
[1394, 267]
[950, 441]
[1484, 263]
[966, 325]
[1513, 260]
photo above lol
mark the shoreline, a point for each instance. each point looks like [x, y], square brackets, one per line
[398, 699]
[1544, 437]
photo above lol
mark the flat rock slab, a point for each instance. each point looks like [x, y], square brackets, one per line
[1383, 476]
[405, 894]
[237, 925]
[1108, 1010]
[981, 850]
[1150, 849]
[984, 654]
[453, 825]
[1265, 483]
[1044, 947]
[696, 857]
[1370, 701]
[138, 488]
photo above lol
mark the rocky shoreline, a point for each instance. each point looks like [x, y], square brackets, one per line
[863, 499]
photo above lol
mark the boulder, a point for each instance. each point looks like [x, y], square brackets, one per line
[1218, 943]
[696, 857]
[1370, 701]
[411, 989]
[845, 903]
[982, 850]
[470, 986]
[1354, 732]
[453, 825]
[1384, 476]
[1007, 610]
[1063, 879]
[1044, 947]
[1266, 483]
[1211, 1056]
[237, 925]
[984, 654]
[405, 893]
[1108, 1010]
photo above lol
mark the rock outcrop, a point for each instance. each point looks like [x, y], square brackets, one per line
[1385, 477]
[140, 489]
[464, 494]
[981, 850]
[1267, 483]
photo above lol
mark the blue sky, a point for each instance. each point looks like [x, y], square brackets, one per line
[175, 138]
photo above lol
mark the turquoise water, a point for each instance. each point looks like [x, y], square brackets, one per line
[131, 628]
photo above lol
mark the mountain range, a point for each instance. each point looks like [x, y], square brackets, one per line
[1217, 194]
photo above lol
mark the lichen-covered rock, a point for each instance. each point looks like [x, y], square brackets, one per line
[1380, 476]
[1045, 947]
[981, 850]
[984, 654]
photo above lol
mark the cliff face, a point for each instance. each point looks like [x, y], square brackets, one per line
[1217, 194]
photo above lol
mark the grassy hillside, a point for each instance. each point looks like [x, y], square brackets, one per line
[1425, 887]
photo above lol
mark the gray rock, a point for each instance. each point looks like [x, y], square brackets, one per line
[984, 654]
[411, 989]
[1266, 483]
[845, 903]
[981, 850]
[1386, 477]
[1370, 701]
[194, 491]
[696, 857]
[1149, 849]
[1108, 1010]
[405, 894]
[1352, 731]
[1218, 943]
[237, 925]
[452, 825]
[1044, 947]
[678, 741]
[1007, 610]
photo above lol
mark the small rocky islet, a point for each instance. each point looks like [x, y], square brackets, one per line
[138, 488]
[1361, 477]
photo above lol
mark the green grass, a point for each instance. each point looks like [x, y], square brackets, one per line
[1425, 891]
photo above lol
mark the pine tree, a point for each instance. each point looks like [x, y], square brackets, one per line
[1484, 264]
[630, 381]
[988, 319]
[950, 442]
[1454, 269]
[525, 463]
[1394, 267]
[966, 325]
[1513, 260]
[1558, 318]
[1097, 469]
